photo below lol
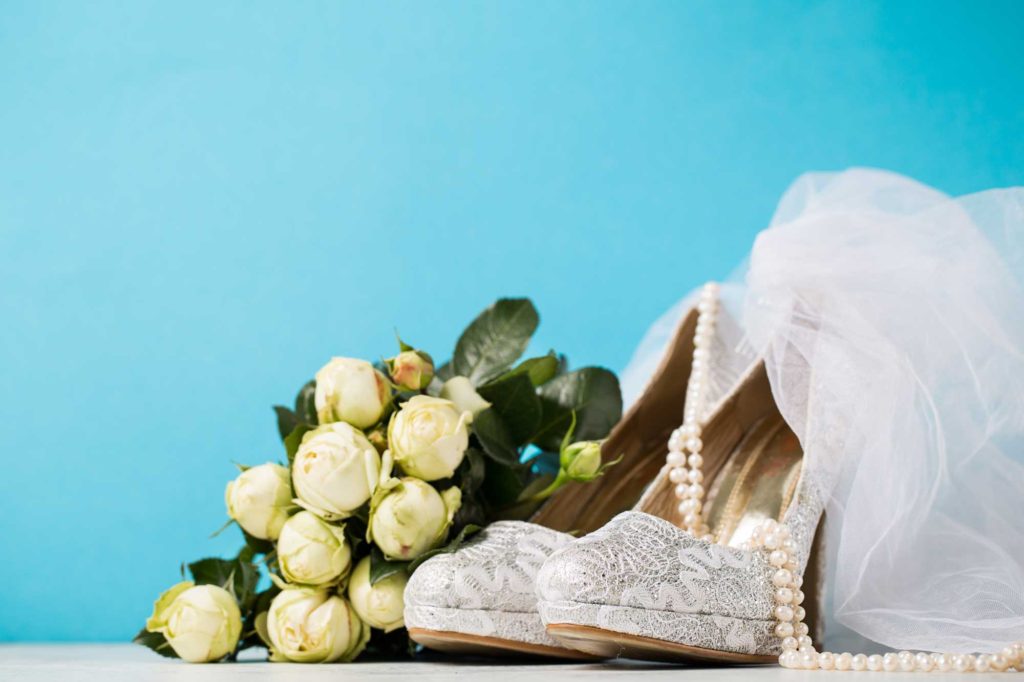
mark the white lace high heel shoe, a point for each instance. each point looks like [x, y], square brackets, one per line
[642, 586]
[481, 599]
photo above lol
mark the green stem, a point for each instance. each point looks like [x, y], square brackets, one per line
[561, 479]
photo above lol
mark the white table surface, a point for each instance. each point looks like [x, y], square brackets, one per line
[117, 662]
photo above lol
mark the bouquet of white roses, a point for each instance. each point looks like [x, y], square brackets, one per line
[387, 465]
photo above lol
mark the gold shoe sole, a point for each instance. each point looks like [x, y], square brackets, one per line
[482, 645]
[608, 644]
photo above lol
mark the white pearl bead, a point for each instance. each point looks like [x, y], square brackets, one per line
[691, 431]
[890, 663]
[694, 444]
[783, 630]
[696, 490]
[695, 476]
[798, 597]
[942, 662]
[782, 578]
[804, 642]
[677, 475]
[773, 540]
[695, 461]
[799, 613]
[675, 459]
[860, 662]
[998, 662]
[874, 662]
[961, 663]
[783, 595]
[809, 660]
[826, 661]
[800, 629]
[906, 661]
[682, 511]
[924, 662]
[789, 659]
[981, 663]
[777, 558]
[844, 661]
[690, 520]
[783, 612]
[798, 580]
[790, 643]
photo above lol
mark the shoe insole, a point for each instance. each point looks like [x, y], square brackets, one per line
[756, 483]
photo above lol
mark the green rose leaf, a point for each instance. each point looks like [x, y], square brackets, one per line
[155, 641]
[250, 631]
[502, 484]
[286, 420]
[493, 436]
[382, 567]
[514, 399]
[294, 440]
[540, 370]
[464, 534]
[471, 472]
[305, 403]
[592, 393]
[495, 339]
[235, 575]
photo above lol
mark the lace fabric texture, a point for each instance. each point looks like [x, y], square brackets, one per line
[486, 587]
[891, 320]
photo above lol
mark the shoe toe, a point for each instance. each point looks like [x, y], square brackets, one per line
[496, 570]
[641, 561]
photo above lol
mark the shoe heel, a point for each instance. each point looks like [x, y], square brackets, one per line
[814, 586]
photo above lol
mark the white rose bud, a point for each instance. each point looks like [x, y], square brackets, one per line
[380, 605]
[460, 391]
[307, 625]
[311, 551]
[411, 369]
[352, 391]
[428, 437]
[336, 470]
[581, 461]
[260, 499]
[411, 518]
[201, 622]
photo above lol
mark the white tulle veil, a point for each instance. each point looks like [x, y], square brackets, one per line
[891, 320]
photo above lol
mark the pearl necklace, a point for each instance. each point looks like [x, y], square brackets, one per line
[798, 650]
[684, 457]
[685, 461]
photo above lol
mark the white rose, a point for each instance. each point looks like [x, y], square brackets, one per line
[311, 551]
[352, 391]
[260, 499]
[460, 391]
[380, 605]
[307, 625]
[335, 470]
[411, 518]
[428, 437]
[201, 622]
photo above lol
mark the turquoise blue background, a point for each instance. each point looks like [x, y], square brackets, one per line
[202, 202]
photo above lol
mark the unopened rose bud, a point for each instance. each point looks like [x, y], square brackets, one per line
[411, 369]
[411, 518]
[581, 461]
[379, 605]
[201, 622]
[352, 391]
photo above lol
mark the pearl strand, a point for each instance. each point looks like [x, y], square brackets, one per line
[684, 446]
[798, 650]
